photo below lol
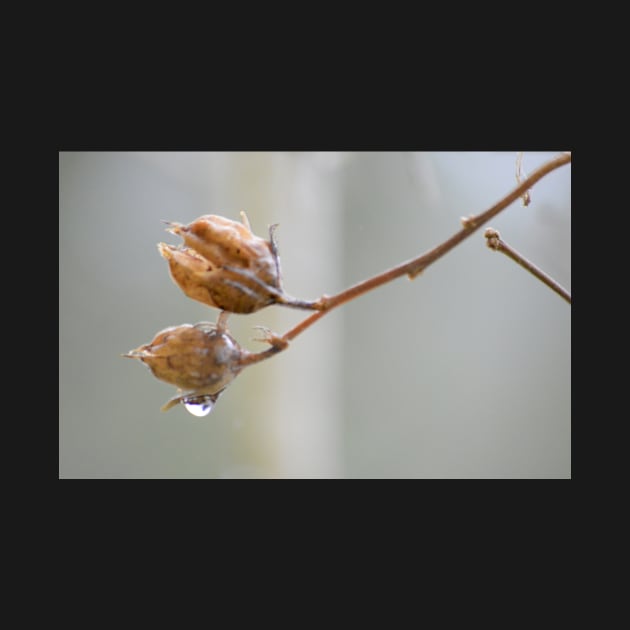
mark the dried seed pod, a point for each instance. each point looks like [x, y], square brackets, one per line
[201, 358]
[224, 264]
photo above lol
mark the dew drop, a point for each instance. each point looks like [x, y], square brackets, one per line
[200, 405]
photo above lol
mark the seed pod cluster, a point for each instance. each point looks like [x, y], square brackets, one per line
[221, 264]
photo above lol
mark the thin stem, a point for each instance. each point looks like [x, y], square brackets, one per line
[527, 198]
[494, 242]
[415, 266]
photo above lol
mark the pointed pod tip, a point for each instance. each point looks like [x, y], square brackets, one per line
[173, 226]
[169, 404]
[165, 250]
[135, 354]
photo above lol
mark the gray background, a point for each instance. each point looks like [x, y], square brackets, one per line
[464, 372]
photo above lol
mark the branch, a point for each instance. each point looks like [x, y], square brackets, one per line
[493, 241]
[527, 198]
[411, 268]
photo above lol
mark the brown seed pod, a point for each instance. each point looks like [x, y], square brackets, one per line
[201, 358]
[223, 264]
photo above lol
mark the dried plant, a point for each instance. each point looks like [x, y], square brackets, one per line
[224, 265]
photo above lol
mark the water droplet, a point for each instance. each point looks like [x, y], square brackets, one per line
[200, 405]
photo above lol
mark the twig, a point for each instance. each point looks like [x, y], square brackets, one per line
[527, 198]
[493, 241]
[413, 267]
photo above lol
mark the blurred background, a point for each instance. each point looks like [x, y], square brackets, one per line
[464, 372]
